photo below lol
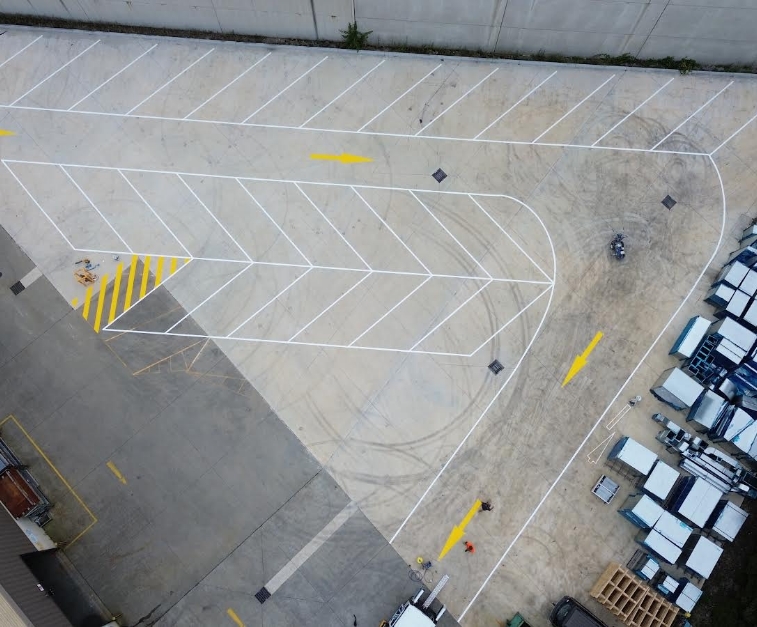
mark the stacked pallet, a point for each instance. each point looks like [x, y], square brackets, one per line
[631, 600]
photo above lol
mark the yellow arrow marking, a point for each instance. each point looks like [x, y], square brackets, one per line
[580, 361]
[458, 531]
[116, 472]
[6, 133]
[343, 158]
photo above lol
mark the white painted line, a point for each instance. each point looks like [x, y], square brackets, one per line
[467, 300]
[220, 91]
[391, 230]
[510, 321]
[167, 83]
[217, 221]
[276, 224]
[31, 276]
[220, 289]
[330, 306]
[338, 232]
[607, 409]
[573, 109]
[691, 116]
[123, 69]
[602, 445]
[502, 387]
[378, 349]
[34, 200]
[100, 213]
[304, 274]
[292, 84]
[481, 82]
[155, 213]
[632, 112]
[20, 51]
[417, 287]
[65, 65]
[311, 547]
[439, 222]
[322, 109]
[107, 327]
[741, 128]
[507, 235]
[397, 99]
[369, 133]
[515, 105]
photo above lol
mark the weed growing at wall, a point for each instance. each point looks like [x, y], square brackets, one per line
[355, 38]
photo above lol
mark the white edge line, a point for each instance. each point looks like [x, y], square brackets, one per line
[441, 224]
[228, 337]
[397, 99]
[504, 384]
[515, 105]
[167, 83]
[276, 224]
[664, 139]
[34, 200]
[408, 295]
[20, 51]
[294, 82]
[458, 308]
[338, 232]
[65, 65]
[456, 101]
[135, 303]
[101, 85]
[391, 230]
[100, 213]
[322, 109]
[379, 349]
[212, 215]
[632, 113]
[741, 128]
[620, 390]
[330, 306]
[195, 308]
[155, 213]
[220, 91]
[573, 109]
[507, 235]
[510, 321]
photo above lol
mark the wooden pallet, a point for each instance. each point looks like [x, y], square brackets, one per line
[631, 599]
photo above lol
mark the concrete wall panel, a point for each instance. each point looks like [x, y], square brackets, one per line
[482, 12]
[529, 41]
[471, 36]
[708, 23]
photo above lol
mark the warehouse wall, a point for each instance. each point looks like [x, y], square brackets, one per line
[717, 31]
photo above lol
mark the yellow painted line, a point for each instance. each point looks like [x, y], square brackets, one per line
[74, 302]
[580, 361]
[6, 133]
[145, 277]
[173, 266]
[116, 290]
[458, 531]
[57, 473]
[186, 261]
[100, 303]
[87, 301]
[130, 281]
[233, 616]
[116, 472]
[159, 271]
[343, 158]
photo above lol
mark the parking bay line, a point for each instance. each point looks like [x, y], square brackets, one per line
[311, 547]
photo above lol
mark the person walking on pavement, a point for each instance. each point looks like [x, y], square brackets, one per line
[469, 548]
[486, 506]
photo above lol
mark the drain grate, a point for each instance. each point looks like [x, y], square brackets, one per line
[262, 595]
[496, 367]
[668, 202]
[17, 288]
[439, 175]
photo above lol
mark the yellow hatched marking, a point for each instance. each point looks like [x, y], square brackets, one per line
[145, 277]
[100, 302]
[130, 281]
[159, 271]
[172, 268]
[116, 290]
[87, 301]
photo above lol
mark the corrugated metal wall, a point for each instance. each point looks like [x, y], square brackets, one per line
[18, 581]
[10, 616]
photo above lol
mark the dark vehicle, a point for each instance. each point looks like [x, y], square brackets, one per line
[617, 246]
[570, 613]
